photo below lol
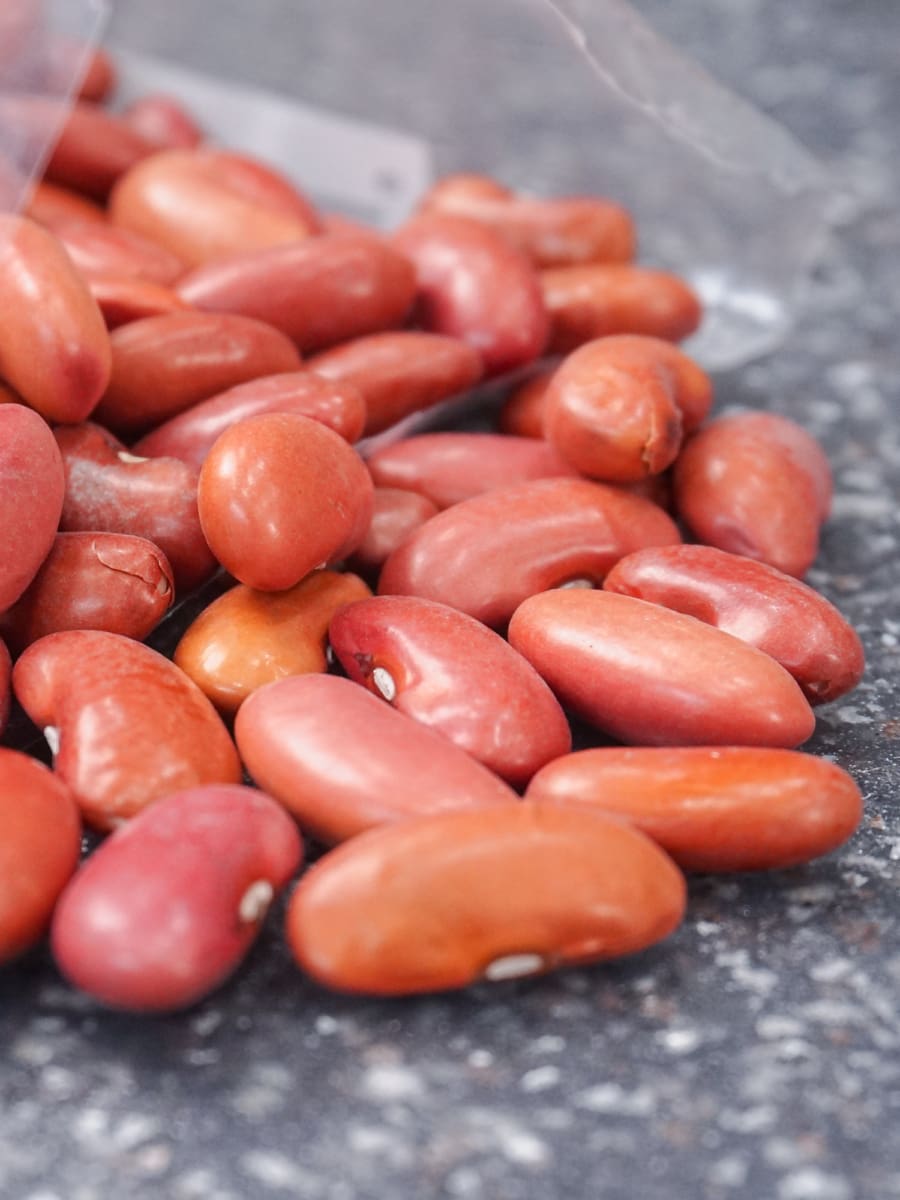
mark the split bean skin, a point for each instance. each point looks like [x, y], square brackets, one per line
[401, 372]
[458, 897]
[645, 674]
[163, 120]
[205, 204]
[474, 285]
[295, 738]
[756, 484]
[32, 483]
[730, 808]
[167, 907]
[484, 556]
[40, 843]
[319, 292]
[109, 489]
[396, 514]
[280, 495]
[129, 725]
[760, 605]
[599, 299]
[453, 674]
[163, 365]
[190, 435]
[451, 467]
[54, 347]
[246, 639]
[109, 581]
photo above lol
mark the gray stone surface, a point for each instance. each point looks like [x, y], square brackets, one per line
[756, 1055]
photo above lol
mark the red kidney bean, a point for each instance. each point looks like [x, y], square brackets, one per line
[164, 121]
[599, 299]
[442, 901]
[295, 737]
[125, 724]
[108, 581]
[205, 204]
[726, 809]
[100, 78]
[552, 232]
[40, 841]
[395, 515]
[50, 206]
[7, 395]
[450, 467]
[279, 495]
[32, 484]
[474, 285]
[191, 434]
[485, 555]
[163, 365]
[94, 150]
[110, 490]
[123, 300]
[755, 484]
[522, 414]
[190, 881]
[754, 602]
[102, 249]
[453, 674]
[401, 373]
[646, 674]
[54, 348]
[246, 639]
[319, 292]
[5, 685]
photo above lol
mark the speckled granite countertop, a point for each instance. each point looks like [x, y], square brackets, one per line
[757, 1054]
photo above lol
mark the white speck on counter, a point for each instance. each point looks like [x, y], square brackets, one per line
[279, 1173]
[748, 1120]
[480, 1058]
[392, 1083]
[810, 1183]
[679, 1041]
[612, 1098]
[539, 1079]
[730, 1171]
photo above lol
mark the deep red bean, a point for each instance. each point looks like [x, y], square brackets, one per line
[51, 205]
[485, 555]
[754, 602]
[95, 149]
[453, 674]
[165, 910]
[456, 897]
[5, 685]
[100, 78]
[395, 515]
[522, 414]
[128, 726]
[648, 675]
[279, 495]
[295, 738]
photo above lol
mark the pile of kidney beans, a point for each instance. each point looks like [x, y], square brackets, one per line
[157, 426]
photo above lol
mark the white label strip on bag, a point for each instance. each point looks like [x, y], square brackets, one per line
[361, 170]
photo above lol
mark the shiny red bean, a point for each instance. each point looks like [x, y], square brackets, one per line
[730, 808]
[165, 909]
[102, 249]
[125, 724]
[453, 674]
[94, 150]
[485, 555]
[342, 761]
[51, 205]
[443, 901]
[279, 495]
[649, 675]
[395, 515]
[123, 300]
[161, 119]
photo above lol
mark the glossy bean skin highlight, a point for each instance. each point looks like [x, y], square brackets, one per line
[163, 365]
[755, 484]
[474, 285]
[648, 675]
[130, 725]
[486, 555]
[94, 150]
[402, 372]
[122, 299]
[457, 897]
[102, 249]
[279, 495]
[754, 602]
[32, 483]
[54, 347]
[594, 301]
[161, 119]
[109, 581]
[731, 808]
[246, 639]
[453, 674]
[40, 842]
[319, 292]
[110, 490]
[165, 909]
[294, 735]
[395, 515]
[190, 435]
[204, 204]
[452, 466]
